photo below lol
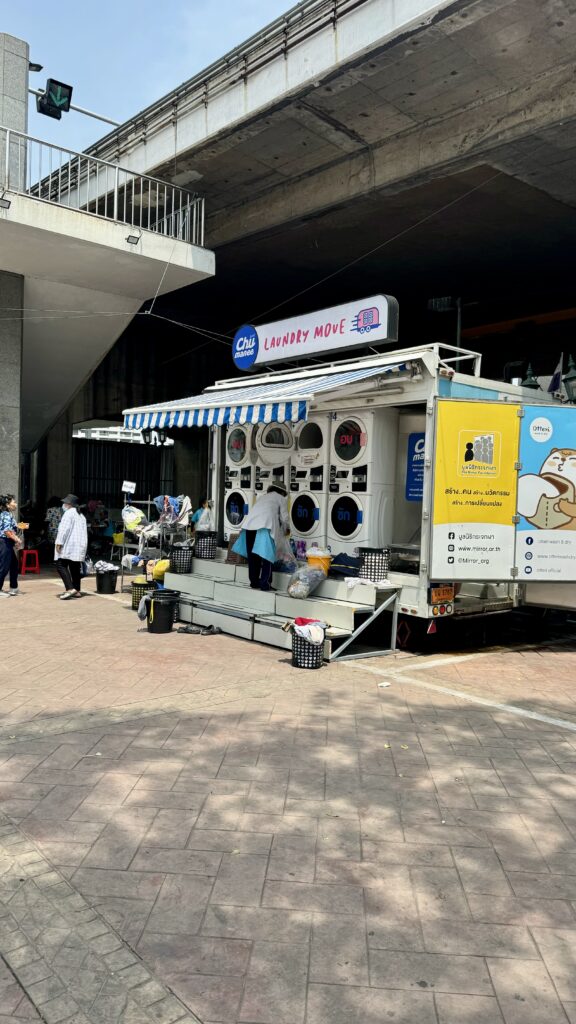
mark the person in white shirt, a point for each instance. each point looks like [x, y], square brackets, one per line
[263, 527]
[71, 546]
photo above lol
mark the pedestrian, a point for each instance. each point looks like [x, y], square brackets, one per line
[71, 546]
[262, 530]
[10, 543]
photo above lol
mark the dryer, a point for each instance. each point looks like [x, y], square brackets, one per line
[309, 480]
[239, 474]
[363, 456]
[363, 450]
[273, 446]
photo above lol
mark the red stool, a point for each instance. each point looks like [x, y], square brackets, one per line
[29, 561]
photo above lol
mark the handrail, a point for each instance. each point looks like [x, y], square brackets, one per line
[78, 181]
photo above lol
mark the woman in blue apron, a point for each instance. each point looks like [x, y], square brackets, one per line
[263, 527]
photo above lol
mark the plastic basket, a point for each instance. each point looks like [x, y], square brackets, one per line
[232, 558]
[306, 654]
[375, 564]
[205, 546]
[181, 560]
[138, 591]
[319, 562]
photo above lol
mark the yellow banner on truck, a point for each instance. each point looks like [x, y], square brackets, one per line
[475, 486]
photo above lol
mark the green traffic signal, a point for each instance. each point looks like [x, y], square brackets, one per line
[56, 99]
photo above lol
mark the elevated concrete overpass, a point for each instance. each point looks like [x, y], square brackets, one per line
[340, 99]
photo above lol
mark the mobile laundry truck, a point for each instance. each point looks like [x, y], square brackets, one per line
[468, 483]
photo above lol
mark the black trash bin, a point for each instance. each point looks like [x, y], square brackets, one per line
[106, 582]
[161, 613]
[163, 594]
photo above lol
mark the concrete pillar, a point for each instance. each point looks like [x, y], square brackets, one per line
[13, 115]
[59, 467]
[11, 297]
[14, 56]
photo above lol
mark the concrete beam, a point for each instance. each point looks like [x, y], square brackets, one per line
[479, 133]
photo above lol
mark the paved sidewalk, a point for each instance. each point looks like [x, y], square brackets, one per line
[190, 830]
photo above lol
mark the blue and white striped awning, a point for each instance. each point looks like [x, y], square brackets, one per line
[274, 401]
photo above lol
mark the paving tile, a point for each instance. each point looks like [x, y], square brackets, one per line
[553, 887]
[292, 857]
[240, 880]
[178, 862]
[264, 925]
[171, 829]
[115, 847]
[181, 904]
[295, 824]
[213, 997]
[61, 802]
[343, 899]
[99, 882]
[525, 992]
[406, 853]
[275, 987]
[221, 812]
[457, 1009]
[225, 841]
[446, 835]
[196, 954]
[558, 950]
[339, 953]
[439, 894]
[339, 1004]
[481, 872]
[434, 971]
[520, 910]
[478, 939]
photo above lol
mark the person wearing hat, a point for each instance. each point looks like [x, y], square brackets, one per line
[262, 529]
[71, 546]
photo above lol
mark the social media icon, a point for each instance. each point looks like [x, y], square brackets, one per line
[450, 547]
[529, 540]
[528, 569]
[528, 555]
[451, 561]
[451, 536]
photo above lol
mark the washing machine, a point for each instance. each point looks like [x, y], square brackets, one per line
[360, 520]
[273, 445]
[363, 450]
[309, 480]
[239, 478]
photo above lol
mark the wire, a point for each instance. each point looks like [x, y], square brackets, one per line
[195, 330]
[382, 245]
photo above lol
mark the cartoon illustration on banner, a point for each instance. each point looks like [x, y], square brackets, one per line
[546, 534]
[475, 491]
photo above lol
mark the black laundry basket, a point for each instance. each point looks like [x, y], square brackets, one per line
[162, 613]
[106, 582]
[138, 591]
[181, 560]
[306, 654]
[375, 564]
[205, 546]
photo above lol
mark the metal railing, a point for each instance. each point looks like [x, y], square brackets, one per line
[80, 182]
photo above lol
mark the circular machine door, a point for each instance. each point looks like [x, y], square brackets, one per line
[309, 443]
[305, 514]
[235, 509]
[237, 446]
[350, 441]
[346, 516]
[274, 443]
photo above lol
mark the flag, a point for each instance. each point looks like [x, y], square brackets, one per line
[554, 385]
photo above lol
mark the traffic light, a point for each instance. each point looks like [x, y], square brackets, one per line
[56, 98]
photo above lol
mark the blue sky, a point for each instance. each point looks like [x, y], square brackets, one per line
[121, 55]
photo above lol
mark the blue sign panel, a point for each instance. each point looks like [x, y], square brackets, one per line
[245, 347]
[415, 467]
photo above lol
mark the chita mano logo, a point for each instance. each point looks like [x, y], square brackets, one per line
[245, 347]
